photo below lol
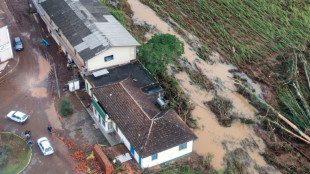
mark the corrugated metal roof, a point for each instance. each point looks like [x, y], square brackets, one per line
[88, 26]
[115, 32]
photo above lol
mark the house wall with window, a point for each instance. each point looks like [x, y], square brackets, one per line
[167, 155]
[112, 57]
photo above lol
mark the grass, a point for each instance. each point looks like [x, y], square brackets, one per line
[18, 156]
[65, 108]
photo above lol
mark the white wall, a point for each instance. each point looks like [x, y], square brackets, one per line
[127, 144]
[121, 55]
[89, 87]
[167, 155]
[6, 52]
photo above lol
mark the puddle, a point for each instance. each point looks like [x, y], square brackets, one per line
[53, 117]
[211, 136]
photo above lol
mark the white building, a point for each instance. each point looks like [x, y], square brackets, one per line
[152, 136]
[87, 33]
[6, 52]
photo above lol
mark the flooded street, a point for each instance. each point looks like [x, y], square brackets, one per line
[27, 88]
[212, 138]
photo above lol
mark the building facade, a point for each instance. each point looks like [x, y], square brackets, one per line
[87, 33]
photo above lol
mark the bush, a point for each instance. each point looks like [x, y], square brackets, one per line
[65, 108]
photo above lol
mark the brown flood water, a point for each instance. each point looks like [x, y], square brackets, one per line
[211, 136]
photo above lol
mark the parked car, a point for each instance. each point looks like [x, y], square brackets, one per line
[45, 146]
[18, 44]
[17, 116]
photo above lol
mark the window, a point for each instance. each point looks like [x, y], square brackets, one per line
[108, 58]
[154, 157]
[183, 146]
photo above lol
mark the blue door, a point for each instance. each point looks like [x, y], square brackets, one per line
[132, 150]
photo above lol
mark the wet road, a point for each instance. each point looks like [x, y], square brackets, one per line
[29, 88]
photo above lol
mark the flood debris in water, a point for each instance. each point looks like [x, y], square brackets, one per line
[221, 107]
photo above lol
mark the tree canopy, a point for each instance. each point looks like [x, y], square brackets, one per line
[160, 51]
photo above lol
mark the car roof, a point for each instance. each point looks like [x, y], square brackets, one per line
[45, 142]
[17, 39]
[20, 114]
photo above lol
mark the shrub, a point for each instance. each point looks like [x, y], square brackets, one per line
[65, 108]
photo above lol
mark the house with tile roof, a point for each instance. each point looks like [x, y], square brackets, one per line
[87, 33]
[152, 136]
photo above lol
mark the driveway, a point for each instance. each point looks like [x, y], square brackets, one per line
[30, 88]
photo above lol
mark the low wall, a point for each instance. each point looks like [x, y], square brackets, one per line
[103, 160]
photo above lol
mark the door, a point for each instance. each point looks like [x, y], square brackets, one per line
[132, 150]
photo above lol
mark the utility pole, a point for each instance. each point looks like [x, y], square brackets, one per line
[54, 67]
[73, 78]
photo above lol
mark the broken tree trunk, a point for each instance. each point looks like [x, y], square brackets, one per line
[305, 137]
[301, 97]
[306, 69]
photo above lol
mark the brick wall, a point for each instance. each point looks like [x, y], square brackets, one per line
[103, 160]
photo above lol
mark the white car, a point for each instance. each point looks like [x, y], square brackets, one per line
[17, 116]
[45, 146]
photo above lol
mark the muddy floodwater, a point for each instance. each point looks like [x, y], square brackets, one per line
[212, 137]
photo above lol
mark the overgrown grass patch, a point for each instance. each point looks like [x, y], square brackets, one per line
[16, 152]
[65, 108]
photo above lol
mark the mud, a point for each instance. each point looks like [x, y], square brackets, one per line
[53, 117]
[211, 135]
[30, 89]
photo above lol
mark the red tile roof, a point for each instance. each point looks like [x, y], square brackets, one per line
[147, 129]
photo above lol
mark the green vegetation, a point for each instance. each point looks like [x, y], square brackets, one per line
[294, 91]
[245, 31]
[160, 51]
[16, 153]
[65, 108]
